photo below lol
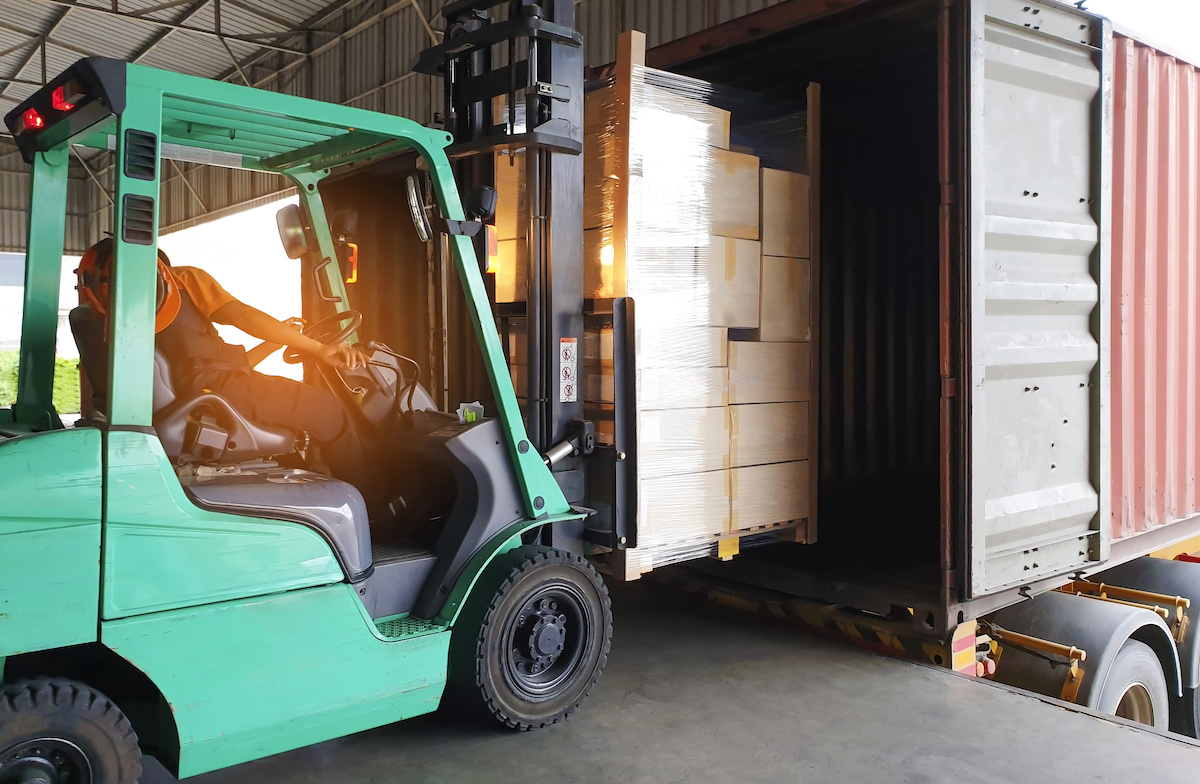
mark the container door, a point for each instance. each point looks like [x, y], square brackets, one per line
[1038, 117]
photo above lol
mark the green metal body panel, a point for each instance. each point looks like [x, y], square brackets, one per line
[162, 552]
[255, 677]
[43, 271]
[49, 540]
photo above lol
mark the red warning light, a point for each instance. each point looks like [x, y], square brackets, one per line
[58, 99]
[31, 121]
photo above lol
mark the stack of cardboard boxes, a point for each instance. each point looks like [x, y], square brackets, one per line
[714, 251]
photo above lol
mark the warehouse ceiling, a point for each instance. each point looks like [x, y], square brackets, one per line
[217, 39]
[351, 52]
[295, 46]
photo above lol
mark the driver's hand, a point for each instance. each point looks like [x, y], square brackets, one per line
[342, 356]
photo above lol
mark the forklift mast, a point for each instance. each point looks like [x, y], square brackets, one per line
[513, 74]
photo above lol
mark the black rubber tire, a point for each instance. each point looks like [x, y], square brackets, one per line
[478, 661]
[65, 710]
[1185, 713]
[1137, 670]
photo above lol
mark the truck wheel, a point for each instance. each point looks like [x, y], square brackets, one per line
[542, 638]
[55, 731]
[1136, 688]
[1185, 713]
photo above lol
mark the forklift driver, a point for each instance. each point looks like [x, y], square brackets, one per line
[189, 302]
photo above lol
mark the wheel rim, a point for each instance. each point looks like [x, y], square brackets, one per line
[1136, 705]
[546, 641]
[45, 761]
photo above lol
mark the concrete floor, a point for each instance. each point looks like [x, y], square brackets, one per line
[699, 694]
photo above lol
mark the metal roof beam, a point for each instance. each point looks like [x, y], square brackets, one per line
[165, 34]
[41, 45]
[316, 19]
[287, 24]
[70, 4]
[156, 8]
[365, 24]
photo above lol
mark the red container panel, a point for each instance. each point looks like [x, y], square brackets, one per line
[1156, 282]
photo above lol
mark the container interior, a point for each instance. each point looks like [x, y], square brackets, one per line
[877, 65]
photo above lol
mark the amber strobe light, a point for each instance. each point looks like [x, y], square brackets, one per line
[352, 262]
[493, 249]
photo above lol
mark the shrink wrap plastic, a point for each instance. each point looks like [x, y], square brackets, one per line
[673, 267]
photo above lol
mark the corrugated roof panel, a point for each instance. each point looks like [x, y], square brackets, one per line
[30, 15]
[57, 61]
[189, 54]
[104, 34]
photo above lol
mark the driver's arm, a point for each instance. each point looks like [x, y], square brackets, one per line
[258, 324]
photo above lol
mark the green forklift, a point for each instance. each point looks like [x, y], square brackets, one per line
[175, 580]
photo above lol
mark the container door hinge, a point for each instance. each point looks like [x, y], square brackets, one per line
[949, 387]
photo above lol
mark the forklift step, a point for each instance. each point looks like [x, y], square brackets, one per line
[403, 628]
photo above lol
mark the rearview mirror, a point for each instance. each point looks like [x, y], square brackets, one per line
[420, 215]
[481, 203]
[291, 231]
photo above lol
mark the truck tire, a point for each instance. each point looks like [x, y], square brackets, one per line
[1185, 713]
[57, 731]
[533, 638]
[1136, 688]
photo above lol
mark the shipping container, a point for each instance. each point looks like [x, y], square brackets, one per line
[964, 292]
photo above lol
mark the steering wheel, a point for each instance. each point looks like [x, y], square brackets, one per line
[323, 332]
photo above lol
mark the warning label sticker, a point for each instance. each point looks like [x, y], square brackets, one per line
[568, 370]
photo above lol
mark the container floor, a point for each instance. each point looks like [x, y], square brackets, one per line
[696, 693]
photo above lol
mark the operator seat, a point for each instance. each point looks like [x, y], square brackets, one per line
[206, 429]
[200, 428]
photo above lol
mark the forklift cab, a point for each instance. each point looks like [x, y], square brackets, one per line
[198, 561]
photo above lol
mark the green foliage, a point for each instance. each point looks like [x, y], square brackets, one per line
[66, 382]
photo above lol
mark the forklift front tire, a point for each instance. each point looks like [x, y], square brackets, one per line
[530, 652]
[58, 731]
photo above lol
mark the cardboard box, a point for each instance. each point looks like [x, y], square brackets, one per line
[768, 494]
[682, 507]
[510, 193]
[785, 214]
[734, 271]
[510, 271]
[683, 346]
[733, 195]
[686, 387]
[599, 111]
[786, 301]
[682, 441]
[769, 372]
[598, 385]
[603, 276]
[767, 433]
[714, 120]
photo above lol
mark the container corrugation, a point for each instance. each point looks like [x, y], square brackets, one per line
[1156, 279]
[602, 21]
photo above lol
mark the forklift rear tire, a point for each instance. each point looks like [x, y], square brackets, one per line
[530, 652]
[1136, 688]
[54, 731]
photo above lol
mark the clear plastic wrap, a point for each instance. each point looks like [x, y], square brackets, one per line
[672, 219]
